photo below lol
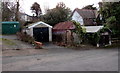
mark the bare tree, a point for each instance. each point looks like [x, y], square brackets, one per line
[7, 13]
[17, 10]
[10, 10]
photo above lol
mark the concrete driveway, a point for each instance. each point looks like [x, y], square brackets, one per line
[10, 42]
[55, 58]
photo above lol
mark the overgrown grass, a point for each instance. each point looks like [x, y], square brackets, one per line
[7, 41]
[1, 39]
[117, 45]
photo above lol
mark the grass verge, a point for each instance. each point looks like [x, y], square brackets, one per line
[7, 41]
[115, 45]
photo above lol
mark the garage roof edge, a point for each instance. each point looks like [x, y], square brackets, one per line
[38, 23]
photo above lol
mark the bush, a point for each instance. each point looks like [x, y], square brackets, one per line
[92, 38]
[79, 30]
[24, 37]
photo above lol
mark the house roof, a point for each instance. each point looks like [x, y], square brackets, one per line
[24, 14]
[64, 25]
[70, 25]
[38, 23]
[92, 29]
[87, 13]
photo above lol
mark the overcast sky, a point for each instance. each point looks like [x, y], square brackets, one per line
[72, 4]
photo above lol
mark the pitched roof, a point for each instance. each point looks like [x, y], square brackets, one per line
[64, 25]
[38, 23]
[86, 13]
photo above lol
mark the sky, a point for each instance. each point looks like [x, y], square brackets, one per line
[72, 4]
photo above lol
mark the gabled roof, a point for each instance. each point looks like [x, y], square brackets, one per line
[64, 25]
[38, 23]
[92, 29]
[86, 13]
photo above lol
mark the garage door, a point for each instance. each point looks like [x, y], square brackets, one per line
[41, 34]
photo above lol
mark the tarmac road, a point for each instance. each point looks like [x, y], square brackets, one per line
[64, 60]
[55, 58]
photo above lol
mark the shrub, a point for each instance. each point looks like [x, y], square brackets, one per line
[79, 30]
[24, 37]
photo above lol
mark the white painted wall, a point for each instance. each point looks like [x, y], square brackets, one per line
[77, 17]
[29, 31]
[50, 34]
[25, 18]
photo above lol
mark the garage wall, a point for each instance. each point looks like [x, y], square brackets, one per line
[50, 34]
[29, 31]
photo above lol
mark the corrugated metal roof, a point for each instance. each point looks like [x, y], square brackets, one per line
[92, 29]
[64, 25]
[69, 25]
